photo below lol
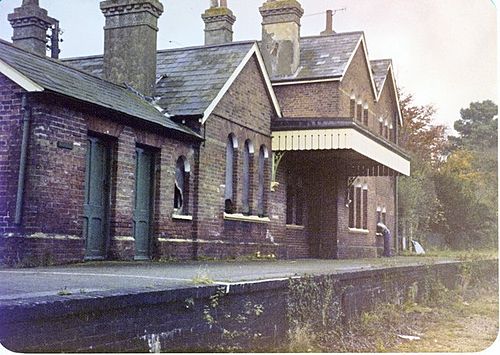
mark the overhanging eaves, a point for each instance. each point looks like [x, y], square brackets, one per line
[340, 139]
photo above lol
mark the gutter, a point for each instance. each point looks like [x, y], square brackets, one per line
[22, 161]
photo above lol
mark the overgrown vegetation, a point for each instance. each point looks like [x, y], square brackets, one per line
[451, 198]
[429, 317]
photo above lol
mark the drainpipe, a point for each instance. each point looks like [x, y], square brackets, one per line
[396, 212]
[22, 162]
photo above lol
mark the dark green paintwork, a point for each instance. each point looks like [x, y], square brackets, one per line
[143, 202]
[95, 223]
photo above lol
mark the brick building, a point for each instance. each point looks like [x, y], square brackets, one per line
[285, 146]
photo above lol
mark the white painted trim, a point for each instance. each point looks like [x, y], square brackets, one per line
[253, 51]
[182, 217]
[389, 69]
[367, 60]
[295, 226]
[20, 79]
[358, 231]
[339, 138]
[306, 81]
[124, 238]
[242, 218]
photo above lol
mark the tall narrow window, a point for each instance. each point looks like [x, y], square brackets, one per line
[247, 176]
[381, 126]
[181, 189]
[386, 129]
[365, 207]
[384, 212]
[379, 214]
[229, 195]
[391, 133]
[351, 207]
[352, 106]
[358, 207]
[365, 114]
[359, 111]
[290, 200]
[263, 156]
[294, 200]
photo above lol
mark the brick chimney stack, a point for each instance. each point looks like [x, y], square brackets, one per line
[329, 24]
[219, 20]
[281, 36]
[130, 41]
[30, 24]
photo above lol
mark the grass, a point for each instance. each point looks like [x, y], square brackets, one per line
[462, 255]
[465, 322]
[460, 327]
[202, 277]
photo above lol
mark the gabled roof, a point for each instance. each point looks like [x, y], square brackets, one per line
[37, 73]
[381, 69]
[325, 56]
[191, 81]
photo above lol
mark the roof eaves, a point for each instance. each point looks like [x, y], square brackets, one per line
[362, 42]
[19, 78]
[253, 50]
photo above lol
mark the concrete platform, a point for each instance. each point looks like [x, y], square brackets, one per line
[96, 278]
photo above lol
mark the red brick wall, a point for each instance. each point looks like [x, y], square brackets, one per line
[246, 111]
[309, 100]
[10, 150]
[53, 206]
[357, 81]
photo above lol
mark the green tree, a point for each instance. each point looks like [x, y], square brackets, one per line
[419, 208]
[467, 182]
[477, 127]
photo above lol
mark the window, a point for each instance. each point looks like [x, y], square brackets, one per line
[381, 126]
[263, 161]
[365, 207]
[294, 200]
[379, 214]
[365, 114]
[231, 164]
[181, 189]
[357, 200]
[352, 106]
[384, 213]
[358, 207]
[359, 110]
[391, 132]
[247, 177]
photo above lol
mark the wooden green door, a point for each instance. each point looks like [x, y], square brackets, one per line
[95, 220]
[143, 203]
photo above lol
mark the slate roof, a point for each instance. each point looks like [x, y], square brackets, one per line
[54, 76]
[380, 69]
[190, 78]
[324, 56]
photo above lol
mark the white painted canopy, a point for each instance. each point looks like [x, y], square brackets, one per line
[340, 138]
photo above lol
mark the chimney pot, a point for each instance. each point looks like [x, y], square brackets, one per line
[219, 22]
[329, 24]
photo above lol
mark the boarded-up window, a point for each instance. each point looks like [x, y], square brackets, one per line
[358, 207]
[247, 177]
[359, 111]
[352, 107]
[229, 195]
[263, 158]
[365, 208]
[351, 207]
[365, 115]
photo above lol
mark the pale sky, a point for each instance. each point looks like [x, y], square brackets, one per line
[443, 51]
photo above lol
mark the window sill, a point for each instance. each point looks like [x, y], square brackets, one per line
[295, 226]
[358, 231]
[242, 218]
[182, 217]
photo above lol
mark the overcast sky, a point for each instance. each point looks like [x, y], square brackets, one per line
[444, 51]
